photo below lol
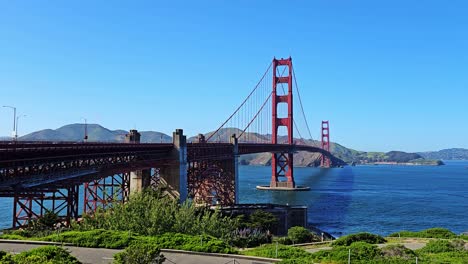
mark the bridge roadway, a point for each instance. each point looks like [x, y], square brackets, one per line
[30, 164]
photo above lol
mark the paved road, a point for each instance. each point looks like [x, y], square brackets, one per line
[105, 256]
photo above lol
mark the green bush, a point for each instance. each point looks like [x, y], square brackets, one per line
[397, 251]
[2, 254]
[283, 240]
[361, 252]
[359, 237]
[98, 238]
[249, 238]
[46, 254]
[436, 232]
[455, 257]
[141, 253]
[438, 246]
[262, 220]
[284, 252]
[187, 242]
[299, 234]
[150, 214]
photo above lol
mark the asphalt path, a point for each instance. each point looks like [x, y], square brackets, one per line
[103, 255]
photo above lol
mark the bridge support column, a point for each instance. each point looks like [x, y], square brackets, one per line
[235, 142]
[175, 174]
[32, 205]
[140, 180]
[102, 192]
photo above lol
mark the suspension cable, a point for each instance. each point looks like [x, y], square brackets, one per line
[255, 88]
[300, 102]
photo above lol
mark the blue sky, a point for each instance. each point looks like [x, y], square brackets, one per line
[389, 75]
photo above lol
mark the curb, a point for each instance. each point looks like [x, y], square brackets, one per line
[45, 243]
[271, 260]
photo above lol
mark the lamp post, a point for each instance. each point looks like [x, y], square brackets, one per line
[17, 121]
[14, 121]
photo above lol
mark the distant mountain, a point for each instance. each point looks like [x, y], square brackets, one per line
[446, 154]
[75, 132]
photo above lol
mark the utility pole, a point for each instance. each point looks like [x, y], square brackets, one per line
[85, 138]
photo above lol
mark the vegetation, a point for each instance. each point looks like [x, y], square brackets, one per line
[40, 255]
[262, 220]
[359, 237]
[100, 238]
[299, 234]
[149, 222]
[398, 251]
[140, 253]
[202, 243]
[150, 214]
[284, 252]
[436, 232]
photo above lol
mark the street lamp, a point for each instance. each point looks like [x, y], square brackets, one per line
[14, 121]
[17, 121]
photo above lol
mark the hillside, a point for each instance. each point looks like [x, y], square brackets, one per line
[75, 132]
[446, 154]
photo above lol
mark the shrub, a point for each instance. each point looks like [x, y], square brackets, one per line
[436, 232]
[187, 242]
[439, 246]
[283, 240]
[140, 253]
[249, 237]
[284, 252]
[455, 257]
[46, 254]
[299, 234]
[262, 220]
[148, 213]
[98, 238]
[359, 237]
[360, 252]
[459, 244]
[400, 251]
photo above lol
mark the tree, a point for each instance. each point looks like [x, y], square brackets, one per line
[299, 234]
[262, 220]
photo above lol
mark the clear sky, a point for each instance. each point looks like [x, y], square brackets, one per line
[389, 75]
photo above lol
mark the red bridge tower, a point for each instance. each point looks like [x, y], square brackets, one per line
[282, 163]
[326, 162]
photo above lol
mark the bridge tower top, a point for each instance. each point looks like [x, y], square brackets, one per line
[282, 98]
[133, 136]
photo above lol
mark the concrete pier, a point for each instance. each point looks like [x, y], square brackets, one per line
[175, 174]
[139, 179]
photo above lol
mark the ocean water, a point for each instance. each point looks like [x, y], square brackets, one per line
[377, 199]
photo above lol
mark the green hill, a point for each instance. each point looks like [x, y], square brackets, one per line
[446, 154]
[75, 132]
